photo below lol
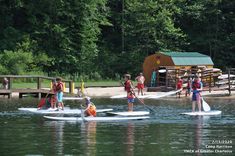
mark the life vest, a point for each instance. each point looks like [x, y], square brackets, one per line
[59, 87]
[127, 85]
[91, 110]
[196, 85]
[179, 84]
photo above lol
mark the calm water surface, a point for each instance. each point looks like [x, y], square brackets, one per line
[165, 133]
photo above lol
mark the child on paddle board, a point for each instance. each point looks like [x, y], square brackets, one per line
[179, 86]
[196, 97]
[130, 100]
[140, 85]
[90, 108]
[59, 93]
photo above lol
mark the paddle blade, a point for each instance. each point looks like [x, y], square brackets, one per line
[205, 106]
[42, 102]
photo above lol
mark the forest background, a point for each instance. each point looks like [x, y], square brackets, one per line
[103, 39]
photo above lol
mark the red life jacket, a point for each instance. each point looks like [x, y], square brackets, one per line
[59, 86]
[127, 85]
[196, 85]
[179, 84]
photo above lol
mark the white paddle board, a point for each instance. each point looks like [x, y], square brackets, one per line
[215, 112]
[65, 111]
[96, 118]
[134, 113]
[125, 96]
[73, 98]
[162, 70]
[225, 76]
[164, 95]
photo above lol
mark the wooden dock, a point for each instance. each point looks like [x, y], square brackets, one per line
[34, 92]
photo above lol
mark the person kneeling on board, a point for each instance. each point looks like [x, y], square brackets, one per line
[196, 97]
[90, 108]
[130, 100]
[47, 103]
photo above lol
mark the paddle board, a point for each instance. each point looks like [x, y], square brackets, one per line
[162, 70]
[134, 113]
[96, 118]
[125, 96]
[163, 95]
[215, 112]
[225, 76]
[73, 98]
[65, 111]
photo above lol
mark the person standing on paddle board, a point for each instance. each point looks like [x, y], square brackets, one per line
[90, 108]
[59, 92]
[140, 85]
[128, 86]
[179, 86]
[196, 97]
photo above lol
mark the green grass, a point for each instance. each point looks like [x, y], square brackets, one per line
[46, 84]
[110, 83]
[31, 85]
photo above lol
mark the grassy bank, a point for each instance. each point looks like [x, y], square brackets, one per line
[47, 84]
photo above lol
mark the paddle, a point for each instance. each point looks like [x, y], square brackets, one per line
[43, 101]
[205, 105]
[151, 109]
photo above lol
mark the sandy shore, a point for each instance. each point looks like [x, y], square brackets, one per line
[111, 91]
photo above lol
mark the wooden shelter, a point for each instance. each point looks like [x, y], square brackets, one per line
[166, 64]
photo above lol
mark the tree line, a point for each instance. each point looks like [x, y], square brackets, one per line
[107, 38]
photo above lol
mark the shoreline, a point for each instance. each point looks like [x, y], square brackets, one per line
[106, 92]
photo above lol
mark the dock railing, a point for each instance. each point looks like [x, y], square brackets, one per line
[39, 80]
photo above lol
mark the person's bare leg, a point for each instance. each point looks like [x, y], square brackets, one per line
[193, 106]
[142, 92]
[130, 107]
[199, 105]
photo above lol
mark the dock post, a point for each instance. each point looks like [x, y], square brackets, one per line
[39, 95]
[39, 84]
[10, 79]
[71, 87]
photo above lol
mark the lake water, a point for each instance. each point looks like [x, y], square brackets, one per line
[165, 133]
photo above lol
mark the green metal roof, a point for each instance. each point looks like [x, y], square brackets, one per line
[189, 58]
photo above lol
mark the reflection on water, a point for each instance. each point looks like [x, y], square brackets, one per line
[56, 135]
[130, 139]
[166, 133]
[198, 133]
[88, 132]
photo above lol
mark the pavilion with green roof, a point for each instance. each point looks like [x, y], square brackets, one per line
[176, 60]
